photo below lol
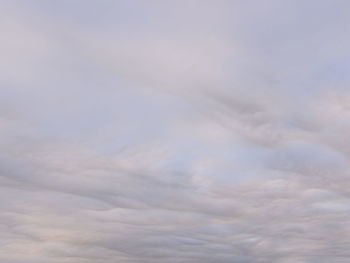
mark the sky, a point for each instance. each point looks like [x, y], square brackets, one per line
[174, 131]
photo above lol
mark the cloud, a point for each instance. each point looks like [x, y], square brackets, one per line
[174, 131]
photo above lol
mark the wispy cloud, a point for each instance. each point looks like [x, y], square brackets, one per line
[174, 131]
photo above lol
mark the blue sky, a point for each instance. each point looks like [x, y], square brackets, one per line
[174, 131]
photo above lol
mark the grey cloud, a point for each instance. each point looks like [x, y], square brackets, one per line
[174, 131]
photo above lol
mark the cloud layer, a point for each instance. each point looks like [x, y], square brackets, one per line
[174, 131]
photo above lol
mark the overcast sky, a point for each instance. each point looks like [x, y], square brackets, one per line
[174, 131]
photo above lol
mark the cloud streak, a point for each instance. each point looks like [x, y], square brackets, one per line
[174, 131]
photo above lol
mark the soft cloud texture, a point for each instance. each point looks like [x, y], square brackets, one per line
[174, 131]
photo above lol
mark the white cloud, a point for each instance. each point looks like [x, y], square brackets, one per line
[186, 131]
